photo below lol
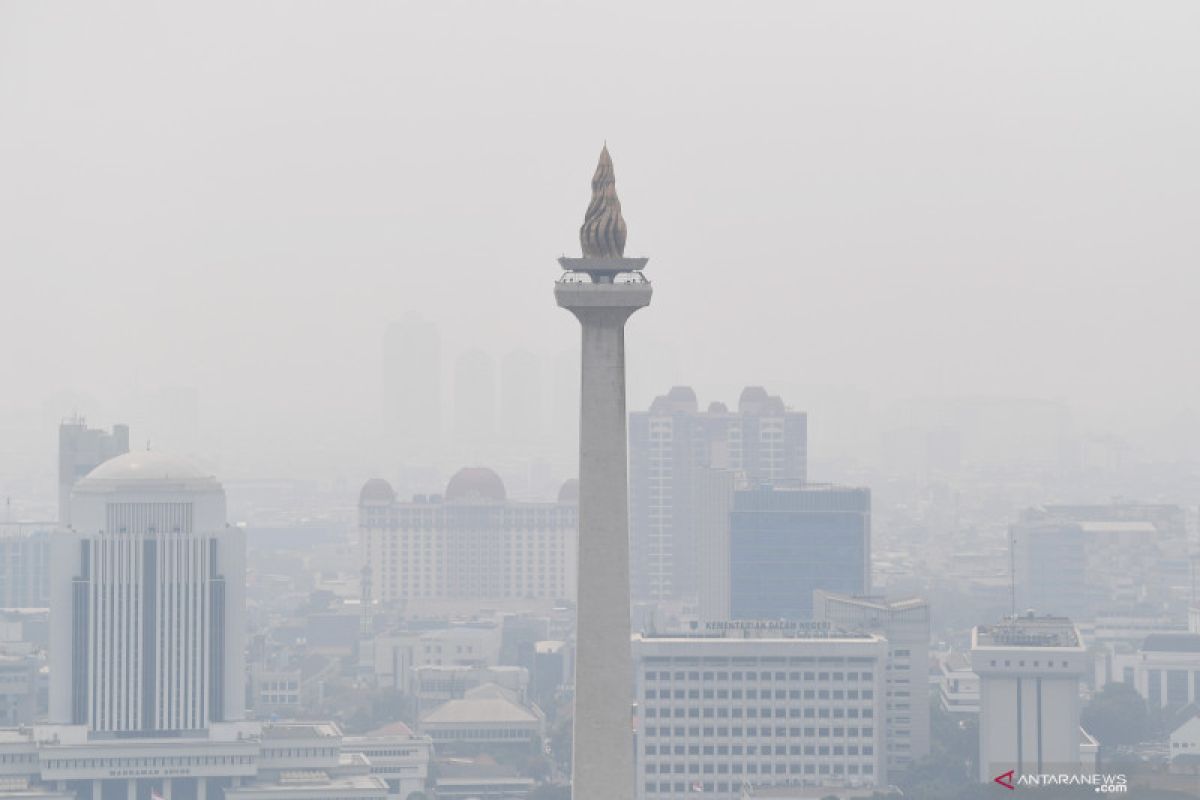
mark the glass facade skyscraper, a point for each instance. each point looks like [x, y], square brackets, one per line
[784, 543]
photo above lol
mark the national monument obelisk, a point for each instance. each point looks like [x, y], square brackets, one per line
[602, 289]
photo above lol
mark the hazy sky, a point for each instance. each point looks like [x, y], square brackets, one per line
[897, 198]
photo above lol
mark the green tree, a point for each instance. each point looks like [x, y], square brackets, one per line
[1117, 716]
[948, 772]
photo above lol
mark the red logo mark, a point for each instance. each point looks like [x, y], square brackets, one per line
[1005, 780]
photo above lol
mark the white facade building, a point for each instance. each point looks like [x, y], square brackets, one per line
[1167, 670]
[147, 679]
[803, 706]
[471, 543]
[958, 685]
[1185, 739]
[147, 601]
[905, 625]
[1029, 674]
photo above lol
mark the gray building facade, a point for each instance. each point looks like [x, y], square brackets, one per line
[786, 543]
[672, 447]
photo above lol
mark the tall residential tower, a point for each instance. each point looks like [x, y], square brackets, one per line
[80, 450]
[602, 289]
[674, 449]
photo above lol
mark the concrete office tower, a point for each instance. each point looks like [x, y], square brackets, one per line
[602, 289]
[710, 527]
[671, 444]
[80, 450]
[905, 625]
[736, 706]
[1029, 670]
[784, 544]
[146, 600]
[412, 390]
[474, 404]
[25, 564]
[1080, 561]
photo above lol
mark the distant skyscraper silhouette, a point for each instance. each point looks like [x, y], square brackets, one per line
[412, 390]
[80, 450]
[521, 418]
[564, 397]
[671, 446]
[474, 404]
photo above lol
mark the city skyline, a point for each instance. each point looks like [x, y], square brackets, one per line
[791, 188]
[310, 491]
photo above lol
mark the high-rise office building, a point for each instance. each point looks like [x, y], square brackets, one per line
[1029, 671]
[784, 544]
[470, 543]
[905, 625]
[709, 519]
[24, 565]
[731, 706]
[521, 416]
[1051, 568]
[670, 445]
[412, 390]
[147, 681]
[80, 450]
[146, 601]
[474, 404]
[1082, 560]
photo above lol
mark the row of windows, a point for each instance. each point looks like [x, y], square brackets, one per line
[162, 761]
[482, 733]
[737, 675]
[17, 758]
[738, 731]
[695, 768]
[1036, 663]
[754, 713]
[300, 752]
[778, 769]
[780, 749]
[753, 694]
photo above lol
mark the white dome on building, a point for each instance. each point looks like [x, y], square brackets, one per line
[149, 465]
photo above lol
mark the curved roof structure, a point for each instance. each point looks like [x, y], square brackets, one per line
[148, 466]
[376, 490]
[475, 484]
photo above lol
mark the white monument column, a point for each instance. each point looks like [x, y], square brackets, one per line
[602, 290]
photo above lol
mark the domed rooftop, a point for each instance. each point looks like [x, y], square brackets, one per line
[475, 484]
[146, 466]
[376, 490]
[568, 493]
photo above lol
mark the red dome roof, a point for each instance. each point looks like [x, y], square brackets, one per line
[475, 484]
[376, 490]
